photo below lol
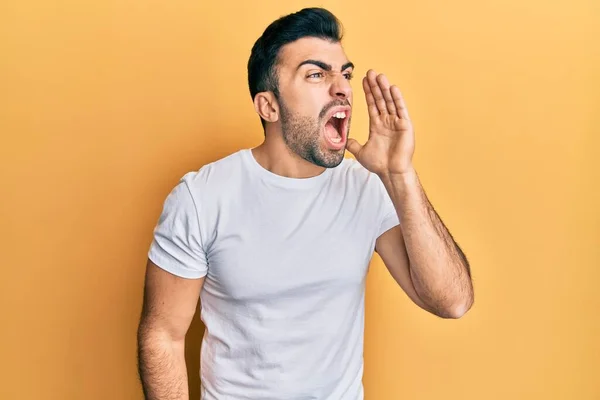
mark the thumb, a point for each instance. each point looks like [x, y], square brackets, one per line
[353, 147]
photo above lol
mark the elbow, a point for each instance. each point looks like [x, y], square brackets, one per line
[458, 309]
[455, 309]
[152, 334]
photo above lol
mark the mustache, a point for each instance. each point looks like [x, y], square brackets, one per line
[329, 106]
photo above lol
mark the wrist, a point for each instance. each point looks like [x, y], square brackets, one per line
[406, 177]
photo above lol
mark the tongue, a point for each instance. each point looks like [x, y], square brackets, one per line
[331, 131]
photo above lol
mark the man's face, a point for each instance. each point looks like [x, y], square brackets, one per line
[315, 99]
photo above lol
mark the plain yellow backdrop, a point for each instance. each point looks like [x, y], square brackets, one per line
[104, 105]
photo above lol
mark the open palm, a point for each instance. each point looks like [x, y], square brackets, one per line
[391, 143]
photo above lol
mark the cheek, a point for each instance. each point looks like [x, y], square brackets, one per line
[307, 100]
[315, 96]
[311, 107]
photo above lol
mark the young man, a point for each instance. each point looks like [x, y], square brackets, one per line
[276, 240]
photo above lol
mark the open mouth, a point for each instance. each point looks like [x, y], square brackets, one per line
[335, 128]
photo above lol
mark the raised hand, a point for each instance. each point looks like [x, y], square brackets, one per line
[391, 143]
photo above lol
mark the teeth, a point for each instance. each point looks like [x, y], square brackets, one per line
[340, 115]
[337, 139]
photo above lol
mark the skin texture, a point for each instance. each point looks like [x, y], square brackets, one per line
[420, 253]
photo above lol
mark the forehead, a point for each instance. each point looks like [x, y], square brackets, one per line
[309, 48]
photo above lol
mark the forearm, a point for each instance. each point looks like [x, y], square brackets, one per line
[162, 367]
[438, 268]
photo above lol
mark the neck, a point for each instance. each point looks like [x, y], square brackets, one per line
[274, 155]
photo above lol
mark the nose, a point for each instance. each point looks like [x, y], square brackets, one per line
[340, 88]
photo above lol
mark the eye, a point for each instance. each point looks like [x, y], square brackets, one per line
[348, 75]
[316, 75]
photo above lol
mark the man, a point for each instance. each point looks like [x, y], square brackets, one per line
[276, 240]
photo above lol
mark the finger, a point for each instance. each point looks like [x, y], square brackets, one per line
[371, 106]
[401, 109]
[376, 90]
[384, 86]
[353, 147]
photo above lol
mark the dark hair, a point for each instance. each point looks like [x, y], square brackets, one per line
[308, 22]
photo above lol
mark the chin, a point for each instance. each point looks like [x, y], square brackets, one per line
[329, 158]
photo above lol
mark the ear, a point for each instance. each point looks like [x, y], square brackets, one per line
[266, 106]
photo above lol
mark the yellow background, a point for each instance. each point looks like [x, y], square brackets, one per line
[104, 105]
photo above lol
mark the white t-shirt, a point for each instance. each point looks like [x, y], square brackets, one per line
[285, 262]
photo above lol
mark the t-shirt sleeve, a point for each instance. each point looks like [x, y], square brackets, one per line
[388, 216]
[177, 246]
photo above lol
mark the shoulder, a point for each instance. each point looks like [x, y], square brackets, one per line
[352, 174]
[356, 181]
[215, 176]
[195, 188]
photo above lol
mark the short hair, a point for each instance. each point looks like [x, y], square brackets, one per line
[308, 22]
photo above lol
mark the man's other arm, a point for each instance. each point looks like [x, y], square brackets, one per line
[168, 307]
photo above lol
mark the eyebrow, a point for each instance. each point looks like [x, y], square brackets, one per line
[325, 66]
